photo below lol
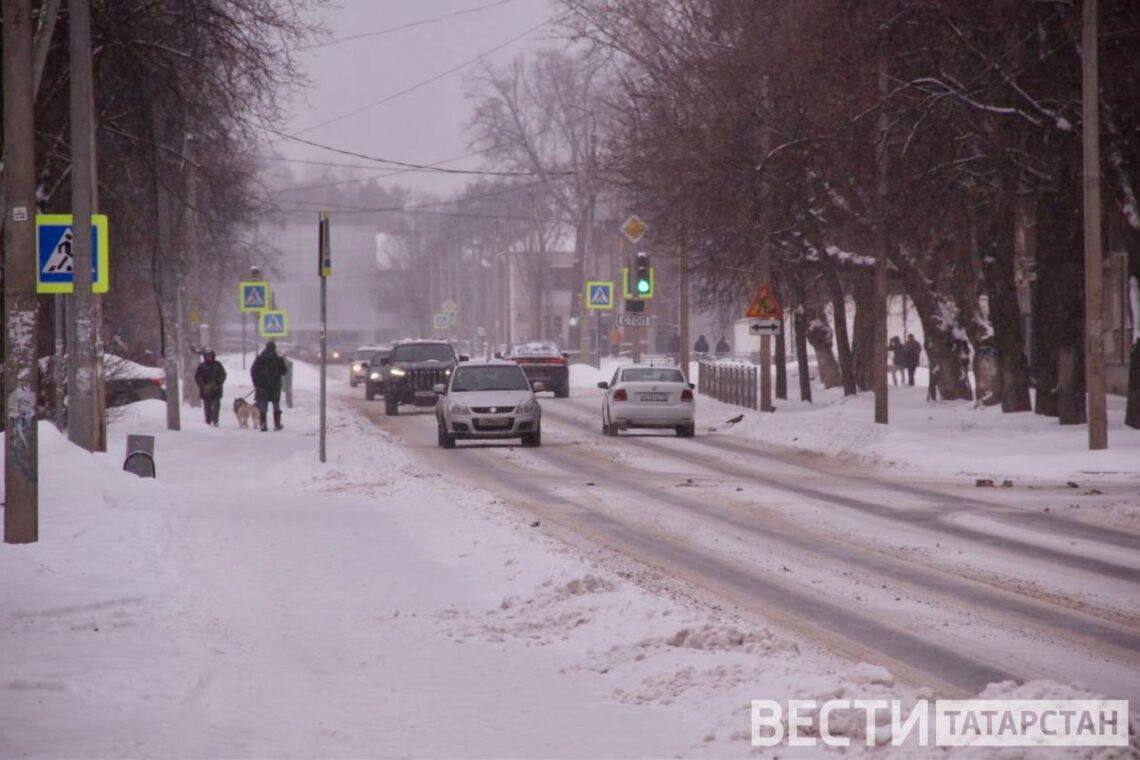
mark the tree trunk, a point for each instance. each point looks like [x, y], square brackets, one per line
[839, 319]
[864, 347]
[1009, 338]
[947, 349]
[781, 348]
[1059, 306]
[800, 324]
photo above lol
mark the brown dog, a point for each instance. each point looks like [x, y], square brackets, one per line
[246, 413]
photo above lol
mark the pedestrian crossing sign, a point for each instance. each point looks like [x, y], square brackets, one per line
[54, 236]
[599, 294]
[442, 321]
[253, 296]
[273, 323]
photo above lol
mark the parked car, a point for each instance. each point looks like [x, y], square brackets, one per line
[413, 369]
[542, 361]
[358, 370]
[643, 396]
[488, 400]
[374, 373]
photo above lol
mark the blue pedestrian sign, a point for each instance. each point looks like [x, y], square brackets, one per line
[273, 324]
[442, 321]
[253, 296]
[599, 294]
[54, 237]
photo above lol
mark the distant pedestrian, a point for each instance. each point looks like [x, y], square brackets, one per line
[722, 347]
[702, 345]
[210, 377]
[267, 370]
[615, 342]
[913, 355]
[898, 359]
[675, 344]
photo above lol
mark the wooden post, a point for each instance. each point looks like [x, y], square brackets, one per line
[1094, 295]
[21, 446]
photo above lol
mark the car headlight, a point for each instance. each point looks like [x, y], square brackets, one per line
[457, 408]
[527, 407]
[375, 375]
[397, 372]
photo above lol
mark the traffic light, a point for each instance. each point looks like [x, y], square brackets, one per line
[643, 277]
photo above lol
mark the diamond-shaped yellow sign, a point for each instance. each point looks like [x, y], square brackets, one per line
[634, 229]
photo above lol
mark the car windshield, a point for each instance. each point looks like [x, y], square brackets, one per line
[424, 352]
[652, 375]
[489, 379]
[379, 357]
[364, 354]
[535, 349]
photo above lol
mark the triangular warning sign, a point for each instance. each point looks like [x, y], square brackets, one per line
[764, 305]
[254, 297]
[60, 260]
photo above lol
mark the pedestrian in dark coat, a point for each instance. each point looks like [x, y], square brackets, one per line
[702, 345]
[913, 354]
[267, 370]
[722, 347]
[210, 377]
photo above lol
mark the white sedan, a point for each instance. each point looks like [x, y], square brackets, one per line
[641, 396]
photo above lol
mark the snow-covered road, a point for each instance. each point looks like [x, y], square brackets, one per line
[943, 587]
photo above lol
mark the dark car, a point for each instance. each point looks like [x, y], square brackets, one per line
[374, 372]
[413, 369]
[543, 362]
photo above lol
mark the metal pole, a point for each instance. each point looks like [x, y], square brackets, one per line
[766, 267]
[81, 374]
[1094, 307]
[243, 349]
[323, 270]
[21, 465]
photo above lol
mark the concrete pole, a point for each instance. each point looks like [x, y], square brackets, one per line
[879, 365]
[81, 368]
[21, 454]
[683, 308]
[1094, 287]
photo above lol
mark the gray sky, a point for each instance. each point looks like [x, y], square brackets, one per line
[423, 126]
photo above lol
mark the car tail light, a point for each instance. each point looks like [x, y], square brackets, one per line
[620, 395]
[686, 395]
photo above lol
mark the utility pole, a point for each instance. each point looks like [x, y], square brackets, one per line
[21, 449]
[879, 365]
[766, 264]
[167, 278]
[1094, 286]
[81, 367]
[683, 307]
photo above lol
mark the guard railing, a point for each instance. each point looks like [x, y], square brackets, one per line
[731, 383]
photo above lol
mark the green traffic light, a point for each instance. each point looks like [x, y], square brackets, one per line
[643, 286]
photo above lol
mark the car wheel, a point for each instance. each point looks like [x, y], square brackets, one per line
[446, 439]
[686, 431]
[607, 428]
[534, 439]
[369, 392]
[391, 406]
[562, 391]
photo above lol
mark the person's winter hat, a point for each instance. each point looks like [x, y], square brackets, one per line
[271, 347]
[208, 353]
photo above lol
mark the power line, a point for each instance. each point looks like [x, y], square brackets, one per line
[409, 165]
[409, 25]
[432, 204]
[423, 83]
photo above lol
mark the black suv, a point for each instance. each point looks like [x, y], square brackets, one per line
[413, 369]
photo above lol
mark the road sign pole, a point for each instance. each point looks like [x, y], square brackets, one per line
[21, 466]
[243, 340]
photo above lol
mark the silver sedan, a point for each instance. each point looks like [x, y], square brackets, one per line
[488, 400]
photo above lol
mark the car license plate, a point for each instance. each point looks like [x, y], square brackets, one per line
[654, 396]
[495, 422]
